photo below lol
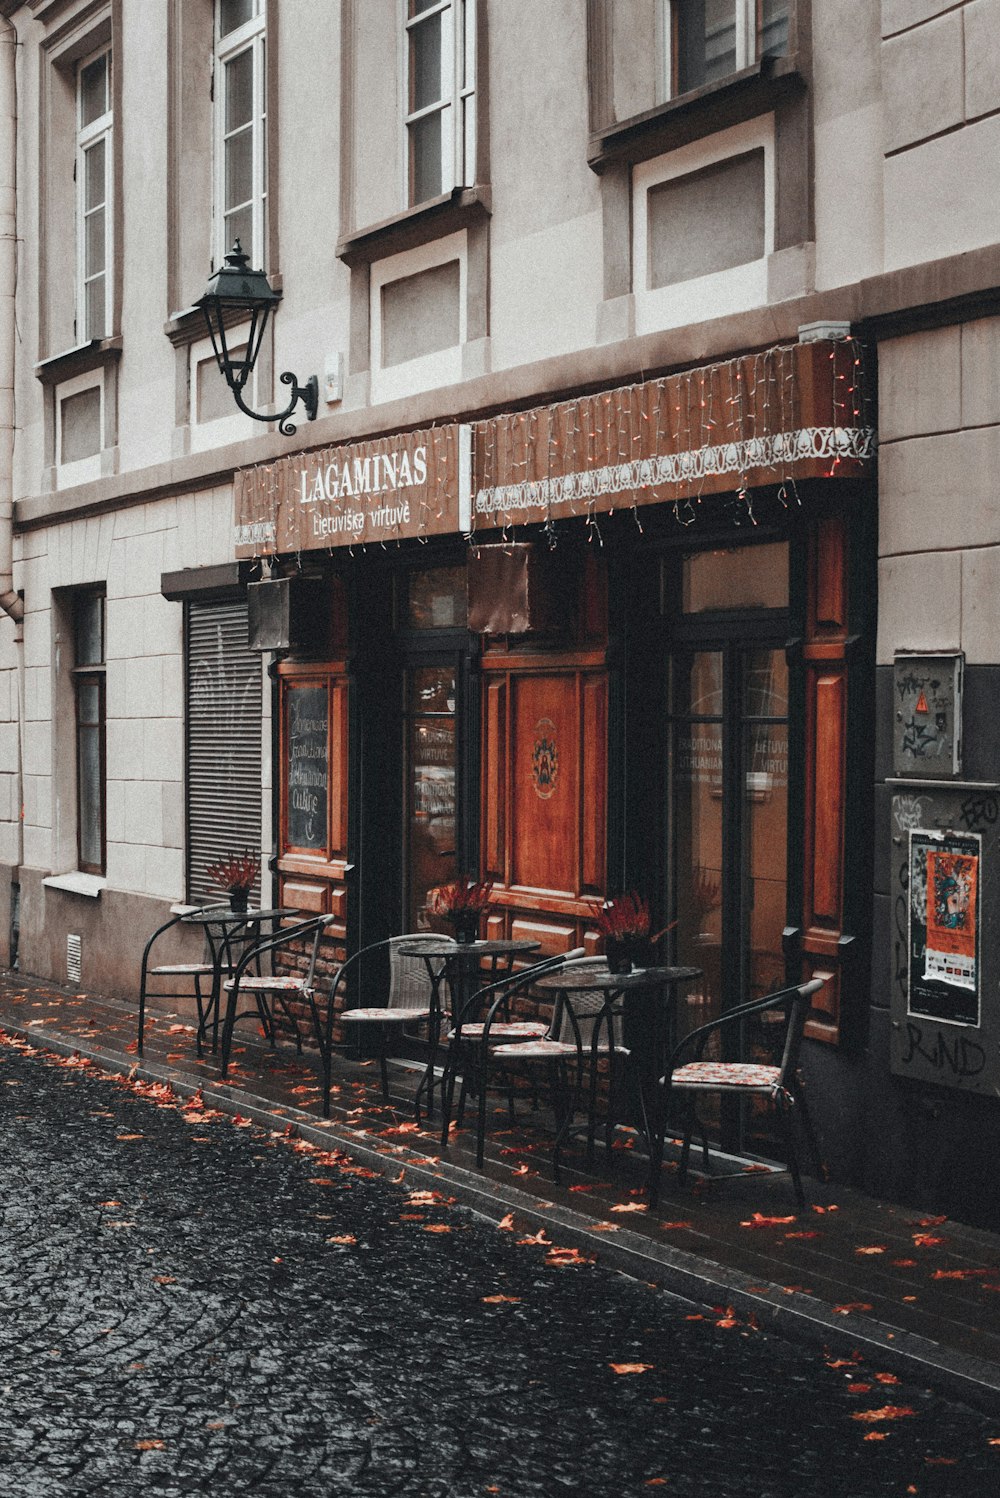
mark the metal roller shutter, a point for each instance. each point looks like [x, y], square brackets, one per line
[223, 741]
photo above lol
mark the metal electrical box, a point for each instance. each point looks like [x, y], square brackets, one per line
[927, 730]
[945, 890]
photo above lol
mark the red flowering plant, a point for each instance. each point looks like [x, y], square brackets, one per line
[461, 903]
[237, 874]
[624, 921]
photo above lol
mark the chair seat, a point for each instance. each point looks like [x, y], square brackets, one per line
[739, 1075]
[510, 1029]
[182, 969]
[270, 985]
[386, 1016]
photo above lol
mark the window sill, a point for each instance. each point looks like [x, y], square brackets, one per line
[416, 226]
[97, 354]
[77, 883]
[693, 116]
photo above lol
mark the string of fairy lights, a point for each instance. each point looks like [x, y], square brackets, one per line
[730, 428]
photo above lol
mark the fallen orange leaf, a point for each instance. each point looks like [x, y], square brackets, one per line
[927, 1240]
[887, 1378]
[800, 1234]
[874, 1248]
[560, 1257]
[630, 1367]
[538, 1237]
[758, 1220]
[343, 1238]
[630, 1207]
[852, 1305]
[931, 1222]
[437, 1227]
[506, 1224]
[669, 1225]
[875, 1435]
[150, 1445]
[496, 1300]
[729, 1320]
[904, 1263]
[887, 1412]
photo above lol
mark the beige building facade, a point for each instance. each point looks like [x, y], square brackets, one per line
[478, 213]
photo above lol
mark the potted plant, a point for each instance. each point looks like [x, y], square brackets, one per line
[237, 874]
[461, 903]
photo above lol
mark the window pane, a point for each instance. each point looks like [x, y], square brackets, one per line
[88, 702]
[706, 42]
[239, 169]
[95, 190]
[90, 795]
[765, 691]
[239, 226]
[736, 578]
[431, 777]
[773, 39]
[80, 420]
[94, 89]
[425, 158]
[88, 625]
[95, 309]
[239, 90]
[437, 599]
[233, 14]
[696, 685]
[425, 63]
[416, 6]
[94, 246]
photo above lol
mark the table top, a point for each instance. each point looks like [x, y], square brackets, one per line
[580, 979]
[442, 947]
[224, 915]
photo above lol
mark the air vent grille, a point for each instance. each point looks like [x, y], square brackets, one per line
[74, 958]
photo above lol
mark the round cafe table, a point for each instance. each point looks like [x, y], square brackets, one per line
[228, 933]
[647, 997]
[459, 965]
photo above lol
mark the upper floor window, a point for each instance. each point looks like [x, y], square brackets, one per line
[93, 186]
[707, 40]
[440, 97]
[241, 129]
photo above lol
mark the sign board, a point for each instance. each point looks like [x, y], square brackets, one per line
[927, 727]
[945, 888]
[414, 484]
[307, 762]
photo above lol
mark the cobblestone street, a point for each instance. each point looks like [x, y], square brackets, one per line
[191, 1306]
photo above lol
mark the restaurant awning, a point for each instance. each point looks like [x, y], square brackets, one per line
[791, 412]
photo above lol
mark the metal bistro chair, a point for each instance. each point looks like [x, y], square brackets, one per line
[274, 993]
[483, 1021]
[410, 1002]
[584, 1026]
[780, 1085]
[222, 950]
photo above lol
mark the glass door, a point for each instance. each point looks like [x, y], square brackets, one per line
[430, 826]
[729, 826]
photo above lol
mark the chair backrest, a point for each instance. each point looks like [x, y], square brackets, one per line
[800, 1003]
[409, 980]
[497, 994]
[585, 1004]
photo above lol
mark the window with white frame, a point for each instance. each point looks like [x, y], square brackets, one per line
[707, 40]
[93, 187]
[240, 129]
[440, 124]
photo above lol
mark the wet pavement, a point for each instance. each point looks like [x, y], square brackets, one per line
[194, 1304]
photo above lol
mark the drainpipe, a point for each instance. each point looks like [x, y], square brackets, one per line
[10, 603]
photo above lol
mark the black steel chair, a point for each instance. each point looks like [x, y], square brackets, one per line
[274, 994]
[222, 948]
[483, 1021]
[410, 1004]
[779, 1084]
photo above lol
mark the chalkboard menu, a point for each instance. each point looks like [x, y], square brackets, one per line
[307, 758]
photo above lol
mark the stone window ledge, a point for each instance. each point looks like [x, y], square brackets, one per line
[99, 353]
[77, 883]
[693, 116]
[416, 226]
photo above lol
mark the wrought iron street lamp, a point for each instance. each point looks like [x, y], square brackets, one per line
[234, 295]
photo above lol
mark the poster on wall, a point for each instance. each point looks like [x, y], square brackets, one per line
[944, 903]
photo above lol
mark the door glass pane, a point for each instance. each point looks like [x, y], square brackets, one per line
[697, 805]
[431, 851]
[765, 818]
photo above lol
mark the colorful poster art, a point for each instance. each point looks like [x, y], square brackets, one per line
[952, 884]
[944, 883]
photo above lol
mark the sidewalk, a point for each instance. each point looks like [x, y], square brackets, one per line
[905, 1290]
